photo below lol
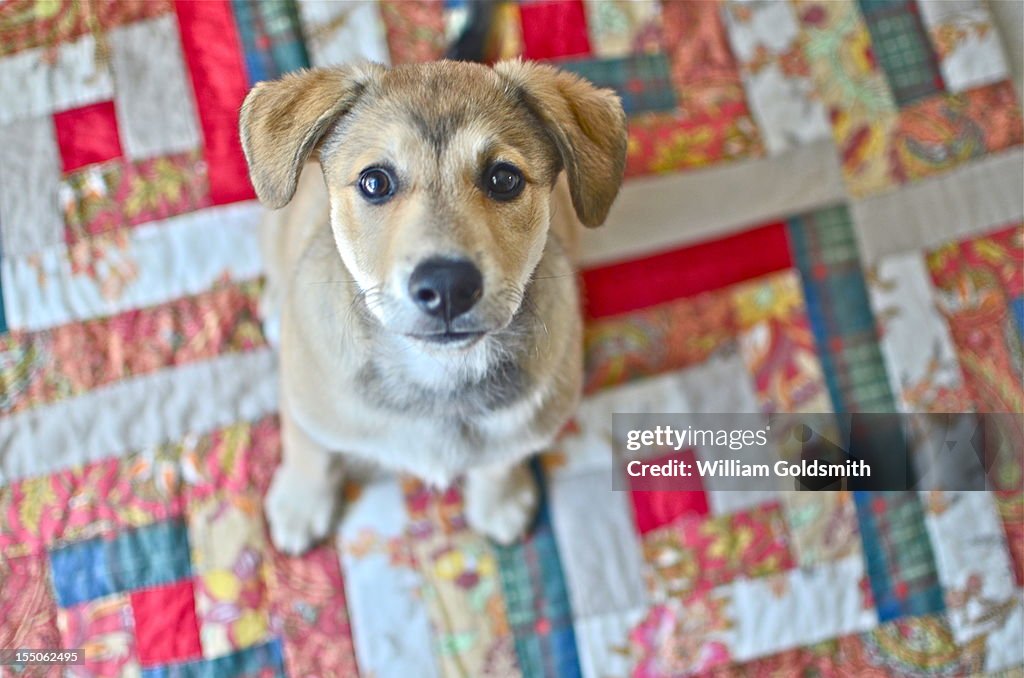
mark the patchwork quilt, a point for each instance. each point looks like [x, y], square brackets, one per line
[138, 393]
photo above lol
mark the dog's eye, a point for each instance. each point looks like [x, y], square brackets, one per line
[376, 184]
[504, 181]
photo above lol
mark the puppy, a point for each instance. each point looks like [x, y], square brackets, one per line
[429, 314]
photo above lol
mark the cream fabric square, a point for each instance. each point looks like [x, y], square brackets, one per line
[153, 97]
[30, 214]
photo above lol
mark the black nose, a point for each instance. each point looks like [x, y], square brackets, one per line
[446, 287]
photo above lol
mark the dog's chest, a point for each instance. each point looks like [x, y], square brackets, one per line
[440, 448]
[453, 397]
[438, 431]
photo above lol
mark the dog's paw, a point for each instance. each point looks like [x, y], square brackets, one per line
[300, 511]
[501, 508]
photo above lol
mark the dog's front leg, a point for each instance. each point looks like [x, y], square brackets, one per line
[304, 493]
[501, 501]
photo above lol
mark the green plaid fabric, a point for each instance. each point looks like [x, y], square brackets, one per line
[537, 601]
[271, 37]
[897, 549]
[837, 305]
[643, 82]
[860, 373]
[902, 48]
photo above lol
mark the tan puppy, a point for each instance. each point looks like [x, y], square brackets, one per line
[429, 316]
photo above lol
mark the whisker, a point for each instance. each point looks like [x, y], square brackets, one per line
[531, 307]
[362, 302]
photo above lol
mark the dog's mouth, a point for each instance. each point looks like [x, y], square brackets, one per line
[449, 338]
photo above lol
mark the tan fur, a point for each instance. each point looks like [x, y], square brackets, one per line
[282, 121]
[584, 123]
[353, 381]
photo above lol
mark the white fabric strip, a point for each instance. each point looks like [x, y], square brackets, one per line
[163, 260]
[771, 614]
[598, 544]
[34, 85]
[600, 642]
[657, 213]
[1008, 16]
[152, 85]
[379, 592]
[973, 564]
[589, 447]
[919, 354]
[1003, 649]
[784, 104]
[970, 200]
[725, 386]
[137, 413]
[976, 58]
[30, 215]
[342, 32]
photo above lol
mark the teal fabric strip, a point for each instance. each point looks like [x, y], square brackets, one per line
[902, 48]
[259, 661]
[537, 600]
[897, 550]
[271, 37]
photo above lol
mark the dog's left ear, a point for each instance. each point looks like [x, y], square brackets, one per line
[282, 121]
[588, 127]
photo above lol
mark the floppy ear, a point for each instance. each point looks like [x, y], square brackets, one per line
[587, 126]
[282, 121]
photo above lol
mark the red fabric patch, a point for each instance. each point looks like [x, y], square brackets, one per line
[686, 272]
[717, 556]
[213, 55]
[691, 140]
[165, 623]
[554, 29]
[87, 135]
[654, 508]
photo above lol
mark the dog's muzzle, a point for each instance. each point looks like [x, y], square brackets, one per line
[446, 289]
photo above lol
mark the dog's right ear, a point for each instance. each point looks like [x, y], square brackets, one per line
[282, 121]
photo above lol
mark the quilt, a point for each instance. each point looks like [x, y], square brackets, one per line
[138, 393]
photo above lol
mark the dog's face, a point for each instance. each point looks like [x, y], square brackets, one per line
[439, 178]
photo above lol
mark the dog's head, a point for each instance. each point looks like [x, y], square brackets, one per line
[439, 178]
